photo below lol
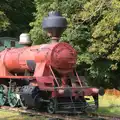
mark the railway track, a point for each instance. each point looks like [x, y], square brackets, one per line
[87, 116]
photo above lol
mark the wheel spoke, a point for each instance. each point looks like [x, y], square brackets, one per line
[22, 103]
[51, 106]
[12, 98]
[3, 97]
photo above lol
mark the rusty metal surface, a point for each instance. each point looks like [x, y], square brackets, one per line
[59, 55]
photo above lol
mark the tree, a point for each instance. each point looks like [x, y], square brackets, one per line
[19, 14]
[104, 19]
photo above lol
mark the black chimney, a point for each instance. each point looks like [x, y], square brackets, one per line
[54, 24]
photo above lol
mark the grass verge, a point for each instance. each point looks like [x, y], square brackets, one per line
[10, 115]
[109, 105]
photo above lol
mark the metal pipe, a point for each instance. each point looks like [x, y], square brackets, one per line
[78, 78]
[53, 75]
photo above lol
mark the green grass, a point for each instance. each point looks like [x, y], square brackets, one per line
[109, 105]
[7, 115]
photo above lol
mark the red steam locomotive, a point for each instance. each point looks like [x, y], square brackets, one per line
[44, 76]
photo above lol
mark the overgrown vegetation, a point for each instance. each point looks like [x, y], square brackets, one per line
[93, 30]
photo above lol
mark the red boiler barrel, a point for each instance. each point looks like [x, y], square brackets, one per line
[62, 56]
[59, 55]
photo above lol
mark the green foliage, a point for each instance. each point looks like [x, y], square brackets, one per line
[17, 14]
[38, 35]
[4, 22]
[104, 19]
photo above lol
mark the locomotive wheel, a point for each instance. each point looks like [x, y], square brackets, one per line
[3, 94]
[22, 103]
[51, 108]
[13, 98]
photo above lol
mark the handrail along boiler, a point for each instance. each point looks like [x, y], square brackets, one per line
[44, 75]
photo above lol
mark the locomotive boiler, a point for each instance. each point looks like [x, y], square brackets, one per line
[44, 76]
